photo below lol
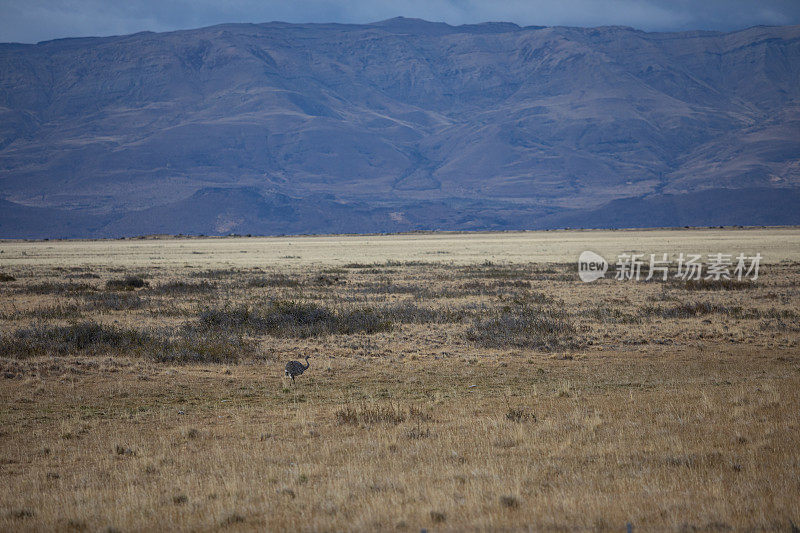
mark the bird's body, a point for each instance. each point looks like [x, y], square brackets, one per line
[295, 368]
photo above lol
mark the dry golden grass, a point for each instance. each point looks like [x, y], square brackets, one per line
[776, 244]
[634, 412]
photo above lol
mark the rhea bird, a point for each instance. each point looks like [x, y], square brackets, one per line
[295, 368]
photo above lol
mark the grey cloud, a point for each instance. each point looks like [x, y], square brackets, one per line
[36, 20]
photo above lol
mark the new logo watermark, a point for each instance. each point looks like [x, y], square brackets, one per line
[636, 267]
[591, 266]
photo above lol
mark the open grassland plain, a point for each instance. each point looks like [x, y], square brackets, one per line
[776, 244]
[457, 382]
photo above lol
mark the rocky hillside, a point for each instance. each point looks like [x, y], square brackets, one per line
[398, 125]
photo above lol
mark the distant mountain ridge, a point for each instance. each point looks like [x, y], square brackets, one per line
[398, 125]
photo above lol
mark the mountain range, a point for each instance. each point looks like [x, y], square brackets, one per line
[398, 125]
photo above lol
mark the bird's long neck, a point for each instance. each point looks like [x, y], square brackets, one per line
[307, 364]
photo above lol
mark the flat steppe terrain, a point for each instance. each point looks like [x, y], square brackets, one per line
[457, 382]
[563, 246]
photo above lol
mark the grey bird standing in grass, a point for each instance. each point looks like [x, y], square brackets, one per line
[295, 368]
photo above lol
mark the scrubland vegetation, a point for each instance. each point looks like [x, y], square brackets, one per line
[490, 395]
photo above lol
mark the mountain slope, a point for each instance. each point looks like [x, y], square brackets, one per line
[487, 126]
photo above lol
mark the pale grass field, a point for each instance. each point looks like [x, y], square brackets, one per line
[635, 414]
[775, 244]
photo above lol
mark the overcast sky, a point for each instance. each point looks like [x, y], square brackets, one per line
[30, 21]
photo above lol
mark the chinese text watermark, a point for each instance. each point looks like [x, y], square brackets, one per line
[637, 267]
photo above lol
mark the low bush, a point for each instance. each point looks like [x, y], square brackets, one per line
[409, 313]
[128, 283]
[387, 286]
[275, 280]
[173, 288]
[717, 285]
[361, 321]
[90, 338]
[86, 337]
[57, 311]
[191, 346]
[329, 279]
[542, 328]
[610, 315]
[84, 275]
[509, 502]
[493, 271]
[695, 309]
[289, 318]
[58, 287]
[519, 415]
[104, 301]
[518, 284]
[216, 273]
